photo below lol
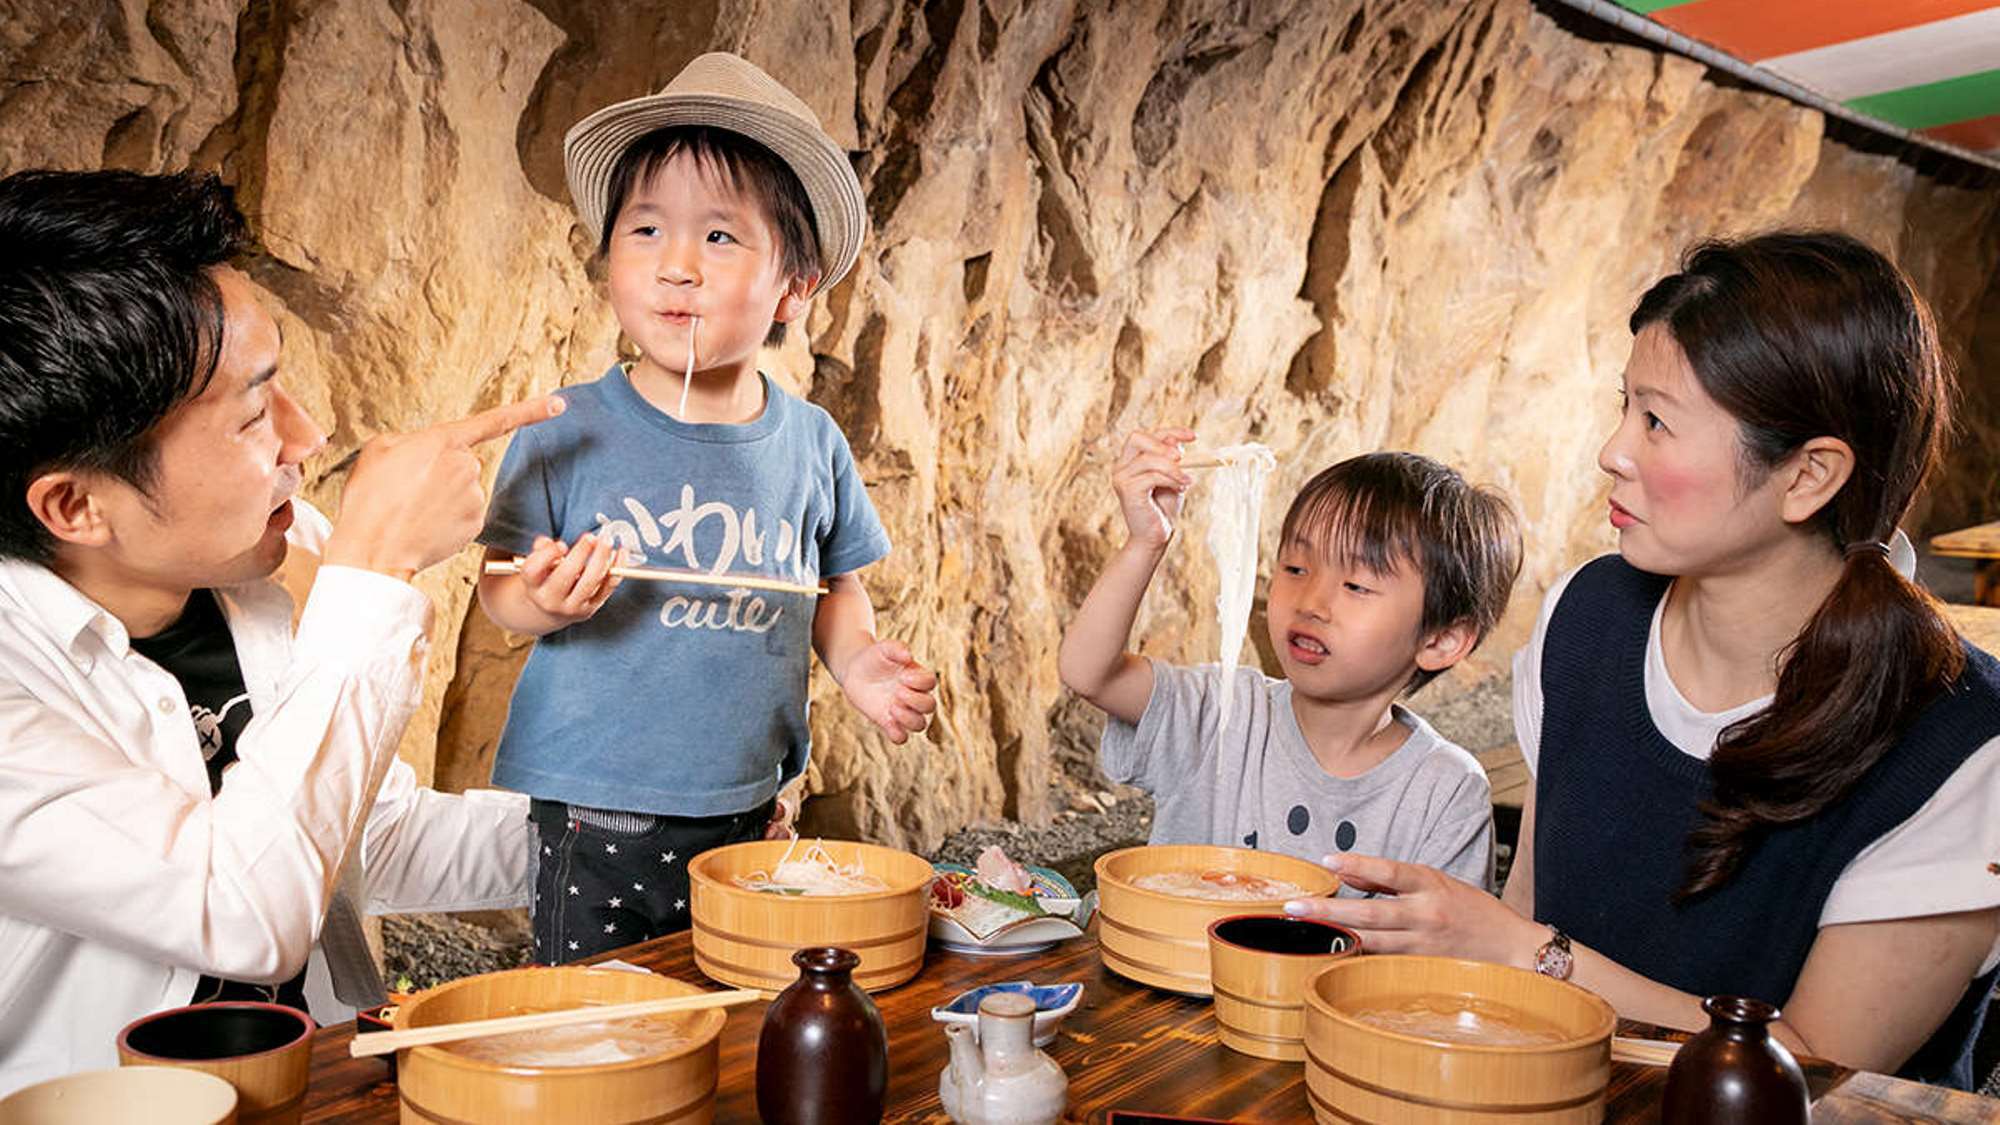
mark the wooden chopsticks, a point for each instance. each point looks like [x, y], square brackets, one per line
[1644, 1052]
[691, 577]
[383, 1042]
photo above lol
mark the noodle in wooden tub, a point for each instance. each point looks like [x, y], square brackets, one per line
[814, 872]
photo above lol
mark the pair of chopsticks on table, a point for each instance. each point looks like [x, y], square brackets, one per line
[1643, 1052]
[690, 577]
[383, 1042]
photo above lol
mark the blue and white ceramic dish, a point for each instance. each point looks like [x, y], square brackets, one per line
[1066, 917]
[1052, 1003]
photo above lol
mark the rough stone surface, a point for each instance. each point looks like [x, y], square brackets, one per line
[424, 950]
[1329, 225]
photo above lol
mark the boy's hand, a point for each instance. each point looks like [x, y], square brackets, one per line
[885, 683]
[1149, 483]
[784, 812]
[570, 583]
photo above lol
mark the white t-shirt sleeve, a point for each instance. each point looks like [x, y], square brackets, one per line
[1528, 677]
[1937, 862]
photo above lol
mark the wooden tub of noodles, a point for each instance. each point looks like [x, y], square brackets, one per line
[1403, 1038]
[1155, 904]
[753, 905]
[655, 1069]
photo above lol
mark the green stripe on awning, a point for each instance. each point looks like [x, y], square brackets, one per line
[1648, 7]
[1935, 103]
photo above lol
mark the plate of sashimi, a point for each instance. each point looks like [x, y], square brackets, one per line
[998, 906]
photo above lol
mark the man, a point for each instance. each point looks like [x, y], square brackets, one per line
[198, 776]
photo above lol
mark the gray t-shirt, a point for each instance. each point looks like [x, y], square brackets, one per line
[677, 699]
[1428, 802]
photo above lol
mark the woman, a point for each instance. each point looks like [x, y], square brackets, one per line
[1765, 764]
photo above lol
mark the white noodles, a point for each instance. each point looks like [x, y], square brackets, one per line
[687, 374]
[1224, 886]
[596, 1043]
[1236, 505]
[813, 873]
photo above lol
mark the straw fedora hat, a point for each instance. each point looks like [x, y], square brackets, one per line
[726, 92]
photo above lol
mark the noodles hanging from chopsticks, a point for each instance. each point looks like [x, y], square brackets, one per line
[1236, 506]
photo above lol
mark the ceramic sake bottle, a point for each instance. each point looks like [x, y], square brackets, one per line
[997, 1076]
[823, 1055]
[1735, 1072]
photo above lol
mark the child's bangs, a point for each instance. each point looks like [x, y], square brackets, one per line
[719, 167]
[1356, 525]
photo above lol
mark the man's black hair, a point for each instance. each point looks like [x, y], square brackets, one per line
[109, 318]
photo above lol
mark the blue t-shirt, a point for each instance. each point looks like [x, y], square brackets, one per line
[675, 698]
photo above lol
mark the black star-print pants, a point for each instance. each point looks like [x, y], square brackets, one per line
[607, 878]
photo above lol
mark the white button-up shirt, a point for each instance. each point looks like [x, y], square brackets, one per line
[122, 880]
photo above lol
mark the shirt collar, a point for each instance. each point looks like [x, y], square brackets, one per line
[67, 613]
[64, 612]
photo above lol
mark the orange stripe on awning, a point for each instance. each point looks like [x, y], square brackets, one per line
[1981, 134]
[1762, 29]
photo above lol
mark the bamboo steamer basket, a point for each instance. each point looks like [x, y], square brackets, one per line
[1358, 1072]
[1260, 965]
[440, 1085]
[1160, 939]
[747, 938]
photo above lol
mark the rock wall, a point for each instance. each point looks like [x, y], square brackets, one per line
[1330, 226]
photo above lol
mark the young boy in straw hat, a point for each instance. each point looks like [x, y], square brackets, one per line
[656, 720]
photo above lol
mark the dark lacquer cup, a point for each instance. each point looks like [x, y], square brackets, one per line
[1259, 965]
[261, 1049]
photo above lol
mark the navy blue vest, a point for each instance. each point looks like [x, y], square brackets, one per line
[1615, 801]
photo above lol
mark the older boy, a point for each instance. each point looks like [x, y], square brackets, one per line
[1390, 570]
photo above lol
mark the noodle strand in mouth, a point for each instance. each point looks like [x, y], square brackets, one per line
[687, 373]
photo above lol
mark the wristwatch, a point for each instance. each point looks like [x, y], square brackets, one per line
[1554, 959]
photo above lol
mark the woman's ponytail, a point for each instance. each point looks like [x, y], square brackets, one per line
[1876, 651]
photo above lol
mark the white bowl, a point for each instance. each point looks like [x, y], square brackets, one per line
[163, 1094]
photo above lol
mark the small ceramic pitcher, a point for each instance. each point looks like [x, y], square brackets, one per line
[997, 1076]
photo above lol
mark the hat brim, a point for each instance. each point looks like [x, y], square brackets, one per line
[592, 147]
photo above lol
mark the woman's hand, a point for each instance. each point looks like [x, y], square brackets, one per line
[1420, 909]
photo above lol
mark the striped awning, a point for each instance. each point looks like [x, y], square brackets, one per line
[1927, 67]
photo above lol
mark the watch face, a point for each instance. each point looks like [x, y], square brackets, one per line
[1553, 960]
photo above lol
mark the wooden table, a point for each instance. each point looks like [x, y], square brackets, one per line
[1982, 543]
[1125, 1046]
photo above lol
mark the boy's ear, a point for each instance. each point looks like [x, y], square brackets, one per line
[62, 501]
[797, 296]
[1447, 646]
